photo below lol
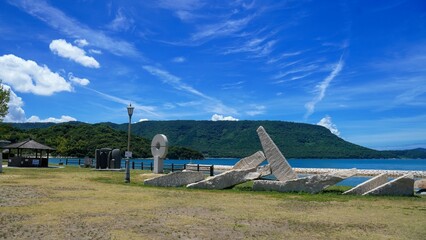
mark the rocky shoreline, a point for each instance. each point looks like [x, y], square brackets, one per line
[360, 172]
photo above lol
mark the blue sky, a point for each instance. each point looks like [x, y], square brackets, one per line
[356, 67]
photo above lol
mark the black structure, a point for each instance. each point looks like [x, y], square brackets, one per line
[107, 158]
[24, 154]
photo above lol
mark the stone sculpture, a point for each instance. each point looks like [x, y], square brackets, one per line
[227, 179]
[402, 186]
[175, 179]
[310, 184]
[250, 161]
[280, 168]
[368, 185]
[159, 148]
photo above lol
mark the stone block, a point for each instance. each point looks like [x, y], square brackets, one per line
[227, 179]
[279, 165]
[368, 185]
[264, 170]
[251, 161]
[175, 179]
[310, 184]
[402, 186]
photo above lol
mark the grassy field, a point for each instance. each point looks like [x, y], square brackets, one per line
[77, 203]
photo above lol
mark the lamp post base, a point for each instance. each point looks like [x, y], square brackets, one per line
[127, 176]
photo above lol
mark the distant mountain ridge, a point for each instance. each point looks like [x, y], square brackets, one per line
[239, 138]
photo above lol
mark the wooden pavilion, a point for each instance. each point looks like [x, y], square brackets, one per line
[28, 153]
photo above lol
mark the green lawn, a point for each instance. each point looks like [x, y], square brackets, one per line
[77, 203]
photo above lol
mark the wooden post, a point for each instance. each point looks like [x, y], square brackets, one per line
[198, 167]
[173, 168]
[184, 166]
[141, 165]
[133, 165]
[151, 167]
[66, 161]
[211, 170]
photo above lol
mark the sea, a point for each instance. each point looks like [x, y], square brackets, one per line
[374, 164]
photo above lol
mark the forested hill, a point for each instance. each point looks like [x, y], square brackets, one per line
[239, 138]
[231, 139]
[80, 139]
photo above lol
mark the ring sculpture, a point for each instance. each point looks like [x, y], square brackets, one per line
[159, 148]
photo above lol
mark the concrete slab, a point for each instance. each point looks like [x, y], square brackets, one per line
[310, 184]
[368, 185]
[279, 165]
[175, 179]
[227, 179]
[402, 186]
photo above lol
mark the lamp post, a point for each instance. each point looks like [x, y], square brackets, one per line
[130, 112]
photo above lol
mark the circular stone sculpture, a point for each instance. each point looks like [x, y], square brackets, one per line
[159, 146]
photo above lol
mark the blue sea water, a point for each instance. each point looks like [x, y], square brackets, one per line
[379, 164]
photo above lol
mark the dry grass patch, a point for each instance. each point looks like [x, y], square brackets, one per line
[75, 203]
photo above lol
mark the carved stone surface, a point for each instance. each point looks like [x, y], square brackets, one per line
[159, 149]
[175, 179]
[310, 184]
[250, 161]
[402, 186]
[279, 165]
[227, 179]
[421, 183]
[368, 185]
[264, 170]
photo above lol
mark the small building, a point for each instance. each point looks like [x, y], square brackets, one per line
[28, 153]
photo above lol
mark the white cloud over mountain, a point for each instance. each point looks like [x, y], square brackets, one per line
[218, 117]
[326, 122]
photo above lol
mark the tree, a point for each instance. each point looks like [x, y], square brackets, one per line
[4, 100]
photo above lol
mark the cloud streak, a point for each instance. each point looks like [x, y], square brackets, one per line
[58, 20]
[321, 88]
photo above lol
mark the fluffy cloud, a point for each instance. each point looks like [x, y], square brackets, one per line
[64, 49]
[326, 122]
[51, 119]
[79, 81]
[143, 120]
[16, 113]
[28, 77]
[218, 117]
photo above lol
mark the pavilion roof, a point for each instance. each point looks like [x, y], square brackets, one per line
[28, 144]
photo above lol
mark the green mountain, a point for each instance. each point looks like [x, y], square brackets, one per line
[81, 139]
[212, 139]
[239, 138]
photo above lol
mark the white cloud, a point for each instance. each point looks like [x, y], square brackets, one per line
[322, 87]
[79, 81]
[173, 80]
[221, 29]
[56, 19]
[16, 112]
[178, 59]
[28, 77]
[51, 119]
[81, 42]
[121, 22]
[218, 117]
[66, 50]
[327, 123]
[95, 51]
[143, 120]
[256, 110]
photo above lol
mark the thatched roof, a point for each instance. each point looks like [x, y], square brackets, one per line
[28, 144]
